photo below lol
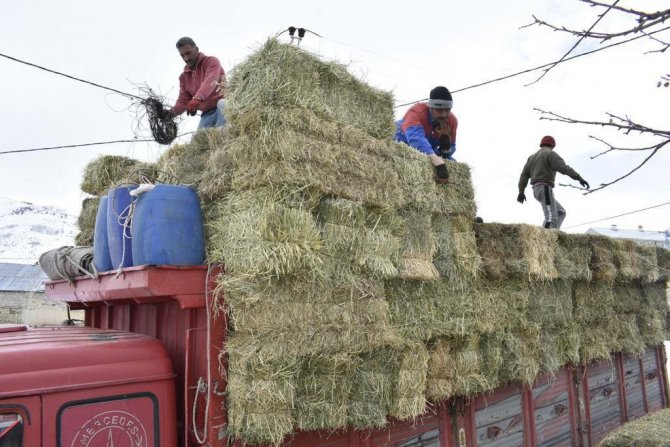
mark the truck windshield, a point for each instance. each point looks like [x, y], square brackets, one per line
[11, 430]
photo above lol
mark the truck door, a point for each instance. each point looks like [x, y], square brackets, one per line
[20, 422]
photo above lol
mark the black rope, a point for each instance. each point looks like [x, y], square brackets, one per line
[71, 77]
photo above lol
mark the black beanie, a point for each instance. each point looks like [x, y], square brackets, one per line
[440, 98]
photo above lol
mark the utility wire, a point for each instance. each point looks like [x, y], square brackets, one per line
[72, 77]
[502, 78]
[619, 215]
[70, 146]
[409, 64]
[83, 145]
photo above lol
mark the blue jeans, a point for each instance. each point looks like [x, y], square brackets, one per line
[213, 117]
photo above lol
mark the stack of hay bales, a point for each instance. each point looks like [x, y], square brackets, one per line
[357, 288]
[101, 174]
[312, 219]
[587, 296]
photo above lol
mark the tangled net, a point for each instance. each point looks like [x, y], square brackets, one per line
[161, 121]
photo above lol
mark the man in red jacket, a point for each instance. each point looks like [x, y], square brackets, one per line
[200, 86]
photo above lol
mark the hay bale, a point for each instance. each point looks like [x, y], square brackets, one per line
[607, 315]
[418, 247]
[523, 251]
[560, 345]
[645, 263]
[359, 240]
[634, 261]
[285, 76]
[653, 314]
[105, 172]
[523, 354]
[456, 368]
[595, 315]
[652, 430]
[296, 161]
[409, 382]
[185, 164]
[258, 237]
[594, 301]
[388, 382]
[261, 397]
[663, 262]
[550, 304]
[573, 256]
[270, 124]
[602, 263]
[89, 210]
[291, 317]
[456, 258]
[84, 238]
[419, 190]
[568, 343]
[372, 390]
[323, 388]
[424, 310]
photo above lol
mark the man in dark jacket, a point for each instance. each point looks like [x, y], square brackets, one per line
[541, 169]
[199, 85]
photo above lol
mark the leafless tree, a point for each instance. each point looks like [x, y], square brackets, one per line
[644, 24]
[624, 125]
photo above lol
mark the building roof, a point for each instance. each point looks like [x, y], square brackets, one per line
[21, 278]
[660, 238]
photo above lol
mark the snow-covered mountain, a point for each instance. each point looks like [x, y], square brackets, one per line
[28, 230]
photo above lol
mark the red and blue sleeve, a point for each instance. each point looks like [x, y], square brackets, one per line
[415, 132]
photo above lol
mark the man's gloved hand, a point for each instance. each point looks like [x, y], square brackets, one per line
[441, 174]
[584, 183]
[521, 197]
[192, 107]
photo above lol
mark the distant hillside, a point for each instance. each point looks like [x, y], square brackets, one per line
[28, 230]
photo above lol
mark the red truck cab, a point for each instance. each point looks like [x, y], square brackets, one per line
[84, 387]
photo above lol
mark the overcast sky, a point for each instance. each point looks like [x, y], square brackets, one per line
[404, 47]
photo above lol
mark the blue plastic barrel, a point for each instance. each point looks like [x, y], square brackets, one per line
[101, 258]
[167, 227]
[120, 248]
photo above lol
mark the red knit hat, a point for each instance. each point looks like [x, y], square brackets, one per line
[548, 141]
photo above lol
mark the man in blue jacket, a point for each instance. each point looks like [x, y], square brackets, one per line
[430, 127]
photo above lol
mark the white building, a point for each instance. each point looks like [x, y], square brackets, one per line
[641, 236]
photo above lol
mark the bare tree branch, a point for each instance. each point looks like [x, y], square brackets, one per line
[624, 125]
[604, 185]
[614, 148]
[546, 70]
[644, 21]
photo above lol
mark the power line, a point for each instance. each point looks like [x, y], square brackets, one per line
[409, 64]
[84, 145]
[70, 146]
[502, 78]
[620, 215]
[71, 77]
